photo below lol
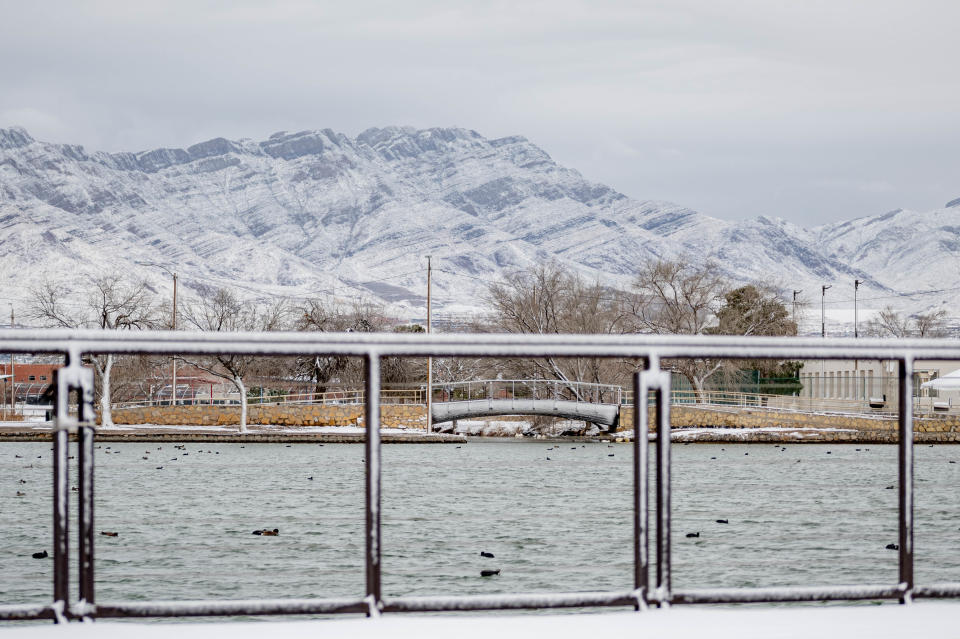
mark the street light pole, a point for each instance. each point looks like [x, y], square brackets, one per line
[856, 326]
[795, 293]
[429, 359]
[823, 316]
[856, 317]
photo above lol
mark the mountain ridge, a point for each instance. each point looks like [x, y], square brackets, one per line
[317, 211]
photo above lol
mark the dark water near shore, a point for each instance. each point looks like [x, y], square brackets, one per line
[797, 516]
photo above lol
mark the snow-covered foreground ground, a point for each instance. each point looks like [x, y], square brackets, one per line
[876, 622]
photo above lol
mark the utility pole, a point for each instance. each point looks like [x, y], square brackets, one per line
[173, 326]
[856, 330]
[795, 293]
[13, 378]
[429, 359]
[823, 316]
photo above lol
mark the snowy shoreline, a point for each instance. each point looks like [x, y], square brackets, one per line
[465, 429]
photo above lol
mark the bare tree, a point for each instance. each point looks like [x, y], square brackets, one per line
[330, 316]
[679, 298]
[893, 323]
[889, 323]
[221, 311]
[549, 299]
[932, 324]
[110, 303]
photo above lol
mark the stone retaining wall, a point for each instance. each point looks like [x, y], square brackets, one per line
[236, 438]
[861, 428]
[391, 415]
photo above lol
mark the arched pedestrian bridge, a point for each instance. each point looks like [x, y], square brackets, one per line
[595, 403]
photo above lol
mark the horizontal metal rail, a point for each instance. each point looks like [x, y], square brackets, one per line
[534, 601]
[28, 612]
[787, 594]
[225, 607]
[492, 345]
[650, 384]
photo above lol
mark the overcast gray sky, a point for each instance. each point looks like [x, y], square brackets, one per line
[813, 111]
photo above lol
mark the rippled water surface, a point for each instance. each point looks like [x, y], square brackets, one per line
[809, 514]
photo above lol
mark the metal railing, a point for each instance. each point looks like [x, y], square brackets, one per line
[346, 396]
[651, 383]
[528, 389]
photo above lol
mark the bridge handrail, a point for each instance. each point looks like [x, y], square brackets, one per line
[486, 388]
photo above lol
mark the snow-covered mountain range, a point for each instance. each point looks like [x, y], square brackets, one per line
[318, 213]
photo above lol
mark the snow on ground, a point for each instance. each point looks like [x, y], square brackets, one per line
[744, 433]
[491, 428]
[511, 428]
[889, 621]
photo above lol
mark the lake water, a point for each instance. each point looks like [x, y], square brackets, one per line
[808, 515]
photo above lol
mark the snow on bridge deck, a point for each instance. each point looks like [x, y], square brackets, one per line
[888, 621]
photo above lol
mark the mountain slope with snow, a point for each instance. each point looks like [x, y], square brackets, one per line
[317, 212]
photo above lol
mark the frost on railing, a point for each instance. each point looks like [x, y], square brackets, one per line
[651, 579]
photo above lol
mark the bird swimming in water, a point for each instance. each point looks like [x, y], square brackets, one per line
[266, 532]
[489, 573]
[723, 521]
[893, 547]
[40, 555]
[109, 534]
[692, 535]
[488, 555]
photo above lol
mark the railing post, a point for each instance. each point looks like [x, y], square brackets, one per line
[73, 376]
[85, 437]
[61, 498]
[641, 511]
[661, 381]
[372, 442]
[905, 449]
